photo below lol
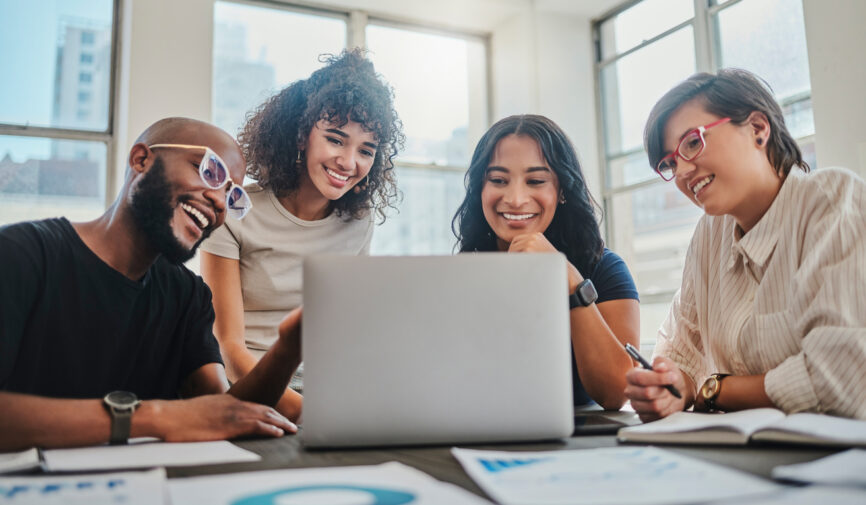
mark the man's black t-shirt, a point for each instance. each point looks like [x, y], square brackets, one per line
[73, 327]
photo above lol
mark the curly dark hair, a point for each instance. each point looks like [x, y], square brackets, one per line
[347, 87]
[574, 229]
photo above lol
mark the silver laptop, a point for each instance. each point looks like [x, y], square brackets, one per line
[435, 350]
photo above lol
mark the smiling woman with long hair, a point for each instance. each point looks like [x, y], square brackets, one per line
[321, 154]
[525, 192]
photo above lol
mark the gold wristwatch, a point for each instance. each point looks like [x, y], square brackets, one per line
[710, 390]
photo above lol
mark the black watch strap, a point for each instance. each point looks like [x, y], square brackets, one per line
[120, 406]
[584, 296]
[121, 425]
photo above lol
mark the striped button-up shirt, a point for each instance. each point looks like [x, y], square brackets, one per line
[787, 299]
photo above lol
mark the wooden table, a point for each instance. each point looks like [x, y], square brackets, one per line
[288, 452]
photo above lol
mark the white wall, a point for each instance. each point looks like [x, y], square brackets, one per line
[836, 41]
[166, 67]
[542, 64]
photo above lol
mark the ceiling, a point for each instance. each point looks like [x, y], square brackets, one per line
[476, 15]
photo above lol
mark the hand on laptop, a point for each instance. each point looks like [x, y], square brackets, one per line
[647, 393]
[537, 242]
[209, 417]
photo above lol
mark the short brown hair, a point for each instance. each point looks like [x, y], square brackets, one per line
[732, 93]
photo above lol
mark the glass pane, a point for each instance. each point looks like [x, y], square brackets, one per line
[632, 85]
[652, 315]
[768, 37]
[440, 88]
[651, 230]
[56, 62]
[423, 224]
[42, 178]
[259, 50]
[628, 170]
[642, 22]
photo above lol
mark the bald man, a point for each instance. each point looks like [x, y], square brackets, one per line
[103, 330]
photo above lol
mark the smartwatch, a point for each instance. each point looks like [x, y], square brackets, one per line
[710, 390]
[584, 296]
[120, 405]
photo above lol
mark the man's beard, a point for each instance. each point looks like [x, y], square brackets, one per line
[152, 209]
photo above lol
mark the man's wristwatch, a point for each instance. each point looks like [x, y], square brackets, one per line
[710, 390]
[584, 296]
[121, 405]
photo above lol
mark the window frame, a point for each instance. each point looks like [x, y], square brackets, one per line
[108, 136]
[356, 26]
[707, 47]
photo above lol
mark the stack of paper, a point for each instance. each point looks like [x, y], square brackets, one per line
[144, 455]
[621, 475]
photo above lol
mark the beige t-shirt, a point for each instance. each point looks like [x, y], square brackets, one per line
[271, 244]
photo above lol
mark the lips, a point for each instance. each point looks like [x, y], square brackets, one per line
[337, 179]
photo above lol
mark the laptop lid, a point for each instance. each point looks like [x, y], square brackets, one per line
[436, 349]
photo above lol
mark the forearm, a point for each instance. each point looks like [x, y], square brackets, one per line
[266, 383]
[601, 361]
[741, 392]
[238, 358]
[34, 421]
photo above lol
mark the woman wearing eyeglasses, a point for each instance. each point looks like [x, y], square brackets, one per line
[320, 152]
[772, 307]
[526, 193]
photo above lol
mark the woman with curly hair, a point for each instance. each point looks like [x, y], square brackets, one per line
[525, 192]
[321, 153]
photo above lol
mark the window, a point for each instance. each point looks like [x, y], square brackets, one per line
[259, 50]
[441, 99]
[643, 51]
[53, 152]
[86, 58]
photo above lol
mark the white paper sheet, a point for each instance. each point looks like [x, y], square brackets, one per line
[812, 495]
[132, 488]
[844, 468]
[391, 483]
[18, 461]
[144, 455]
[622, 475]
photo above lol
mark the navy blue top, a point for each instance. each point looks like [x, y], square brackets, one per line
[613, 281]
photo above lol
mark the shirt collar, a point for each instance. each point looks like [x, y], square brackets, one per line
[758, 244]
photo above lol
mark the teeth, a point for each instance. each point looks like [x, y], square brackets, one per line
[700, 185]
[335, 175]
[517, 217]
[202, 221]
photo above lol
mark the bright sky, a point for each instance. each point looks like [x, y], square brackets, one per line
[26, 90]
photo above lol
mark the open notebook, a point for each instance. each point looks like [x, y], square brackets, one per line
[755, 425]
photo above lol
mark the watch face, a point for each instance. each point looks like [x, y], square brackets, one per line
[587, 293]
[710, 388]
[121, 399]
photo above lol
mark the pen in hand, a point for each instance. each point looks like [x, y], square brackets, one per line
[644, 363]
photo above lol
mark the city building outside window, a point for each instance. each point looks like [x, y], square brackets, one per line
[55, 138]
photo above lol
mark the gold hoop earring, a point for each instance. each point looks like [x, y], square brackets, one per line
[361, 186]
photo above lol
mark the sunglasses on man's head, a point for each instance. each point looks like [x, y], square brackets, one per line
[214, 173]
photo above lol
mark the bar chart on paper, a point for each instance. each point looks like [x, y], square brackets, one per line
[622, 475]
